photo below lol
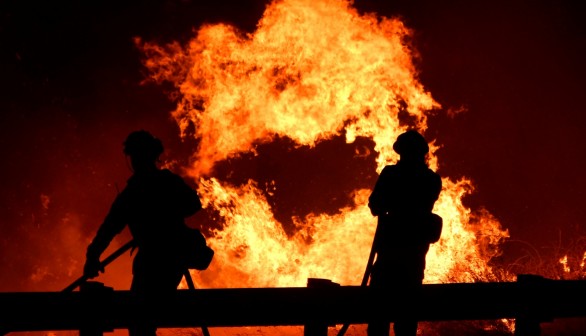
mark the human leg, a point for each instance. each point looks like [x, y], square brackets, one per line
[378, 281]
[150, 284]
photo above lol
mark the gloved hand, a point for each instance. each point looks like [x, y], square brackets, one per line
[92, 268]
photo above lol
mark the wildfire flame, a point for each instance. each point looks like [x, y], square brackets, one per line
[312, 70]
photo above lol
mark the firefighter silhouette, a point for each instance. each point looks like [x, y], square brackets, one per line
[154, 205]
[403, 199]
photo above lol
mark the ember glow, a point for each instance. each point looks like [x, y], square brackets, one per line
[312, 70]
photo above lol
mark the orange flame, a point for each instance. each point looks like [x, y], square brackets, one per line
[312, 70]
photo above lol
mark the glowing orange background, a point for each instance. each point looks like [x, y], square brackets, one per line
[305, 103]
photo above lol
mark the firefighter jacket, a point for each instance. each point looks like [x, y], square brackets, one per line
[403, 199]
[154, 205]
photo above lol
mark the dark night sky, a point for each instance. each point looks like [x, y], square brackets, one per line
[509, 75]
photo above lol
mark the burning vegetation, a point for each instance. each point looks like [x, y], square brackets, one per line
[331, 88]
[311, 72]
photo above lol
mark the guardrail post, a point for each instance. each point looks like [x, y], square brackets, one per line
[317, 328]
[533, 309]
[93, 293]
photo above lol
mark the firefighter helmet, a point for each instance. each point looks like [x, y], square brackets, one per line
[143, 143]
[411, 143]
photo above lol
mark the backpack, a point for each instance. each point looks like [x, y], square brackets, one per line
[196, 253]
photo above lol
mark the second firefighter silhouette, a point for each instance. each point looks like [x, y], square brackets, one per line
[403, 199]
[154, 205]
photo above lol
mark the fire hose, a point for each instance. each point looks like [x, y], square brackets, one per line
[82, 279]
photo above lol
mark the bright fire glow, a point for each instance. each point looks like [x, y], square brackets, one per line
[312, 70]
[564, 262]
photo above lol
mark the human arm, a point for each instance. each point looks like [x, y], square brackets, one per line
[377, 201]
[435, 188]
[113, 224]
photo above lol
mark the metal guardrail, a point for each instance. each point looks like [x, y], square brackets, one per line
[530, 300]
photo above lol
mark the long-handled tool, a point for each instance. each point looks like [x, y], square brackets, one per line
[191, 286]
[84, 278]
[103, 264]
[367, 272]
[113, 257]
